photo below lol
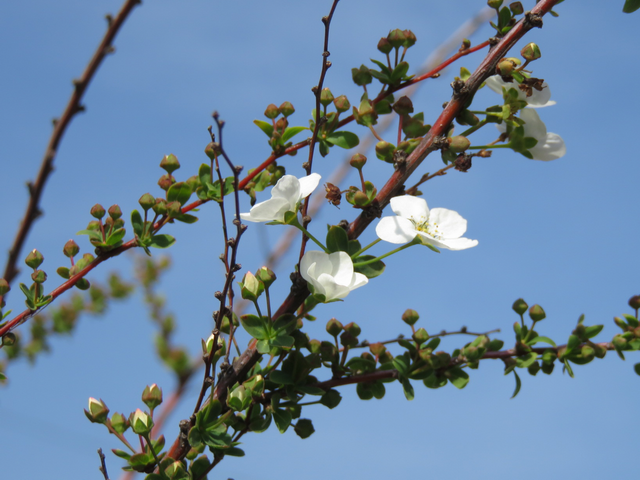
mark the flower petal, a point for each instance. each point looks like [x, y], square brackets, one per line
[449, 223]
[267, 211]
[410, 207]
[533, 126]
[551, 149]
[396, 230]
[538, 99]
[308, 184]
[287, 187]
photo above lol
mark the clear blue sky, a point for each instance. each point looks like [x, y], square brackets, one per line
[562, 234]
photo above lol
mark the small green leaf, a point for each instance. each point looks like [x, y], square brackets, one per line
[267, 128]
[332, 398]
[255, 326]
[282, 417]
[116, 237]
[407, 388]
[137, 223]
[636, 367]
[518, 385]
[567, 365]
[592, 331]
[93, 234]
[186, 218]
[337, 239]
[204, 174]
[541, 339]
[370, 270]
[343, 139]
[291, 132]
[179, 192]
[399, 72]
[526, 360]
[162, 241]
[631, 6]
[459, 378]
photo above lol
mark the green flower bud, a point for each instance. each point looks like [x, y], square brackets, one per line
[176, 471]
[239, 399]
[39, 276]
[166, 181]
[119, 423]
[494, 3]
[421, 336]
[304, 428]
[353, 329]
[467, 118]
[334, 327]
[634, 302]
[97, 412]
[587, 352]
[403, 106]
[326, 97]
[361, 76]
[160, 207]
[619, 342]
[410, 317]
[537, 313]
[358, 161]
[147, 201]
[250, 287]
[174, 209]
[314, 346]
[530, 52]
[348, 340]
[97, 211]
[360, 199]
[152, 396]
[396, 38]
[170, 163]
[384, 46]
[505, 68]
[516, 8]
[384, 151]
[341, 103]
[458, 143]
[520, 306]
[377, 348]
[286, 109]
[4, 286]
[212, 150]
[409, 39]
[271, 112]
[8, 339]
[141, 423]
[266, 276]
[70, 249]
[34, 259]
[115, 212]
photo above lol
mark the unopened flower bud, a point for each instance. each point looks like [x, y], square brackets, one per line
[377, 348]
[152, 396]
[250, 287]
[361, 76]
[166, 181]
[170, 163]
[141, 423]
[34, 259]
[286, 109]
[409, 39]
[97, 211]
[384, 45]
[341, 103]
[326, 97]
[403, 106]
[530, 52]
[384, 151]
[353, 328]
[174, 209]
[537, 313]
[458, 143]
[505, 68]
[516, 8]
[634, 302]
[348, 340]
[4, 286]
[147, 201]
[212, 150]
[160, 207]
[115, 212]
[410, 317]
[271, 112]
[358, 161]
[396, 38]
[494, 3]
[119, 423]
[39, 276]
[520, 306]
[97, 412]
[421, 336]
[8, 339]
[334, 327]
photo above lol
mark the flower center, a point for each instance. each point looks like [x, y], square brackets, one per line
[430, 228]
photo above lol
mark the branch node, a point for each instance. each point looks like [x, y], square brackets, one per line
[532, 20]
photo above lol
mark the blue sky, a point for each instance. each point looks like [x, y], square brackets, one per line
[562, 234]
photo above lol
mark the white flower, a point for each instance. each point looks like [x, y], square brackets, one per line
[538, 98]
[331, 274]
[285, 196]
[550, 146]
[439, 227]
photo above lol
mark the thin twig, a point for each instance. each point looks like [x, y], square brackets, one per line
[73, 107]
[103, 465]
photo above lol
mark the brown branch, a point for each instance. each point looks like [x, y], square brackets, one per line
[73, 107]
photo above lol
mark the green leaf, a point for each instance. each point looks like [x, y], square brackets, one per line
[526, 360]
[459, 378]
[291, 132]
[407, 388]
[567, 365]
[282, 417]
[137, 223]
[116, 237]
[255, 326]
[572, 343]
[541, 339]
[186, 218]
[631, 6]
[592, 331]
[285, 324]
[93, 234]
[267, 128]
[399, 72]
[337, 240]
[234, 452]
[383, 67]
[162, 241]
[636, 367]
[204, 174]
[370, 270]
[179, 192]
[343, 139]
[401, 363]
[518, 385]
[332, 398]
